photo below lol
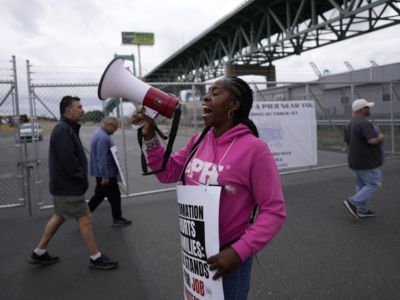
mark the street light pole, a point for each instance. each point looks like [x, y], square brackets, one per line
[140, 65]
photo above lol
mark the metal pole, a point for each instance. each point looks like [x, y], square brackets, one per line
[307, 92]
[133, 64]
[194, 108]
[28, 165]
[140, 64]
[28, 189]
[392, 119]
[32, 111]
[30, 94]
[124, 143]
[17, 123]
[352, 92]
[14, 64]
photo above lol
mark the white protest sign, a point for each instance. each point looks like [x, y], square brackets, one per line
[198, 208]
[290, 130]
[114, 151]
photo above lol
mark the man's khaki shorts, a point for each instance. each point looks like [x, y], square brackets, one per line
[70, 206]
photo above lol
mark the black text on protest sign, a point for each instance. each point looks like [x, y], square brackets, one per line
[194, 256]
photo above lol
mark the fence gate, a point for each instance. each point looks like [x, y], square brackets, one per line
[13, 164]
[45, 92]
[44, 99]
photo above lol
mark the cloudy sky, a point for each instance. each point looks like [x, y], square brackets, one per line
[87, 33]
[83, 36]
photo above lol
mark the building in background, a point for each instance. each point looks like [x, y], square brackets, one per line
[334, 93]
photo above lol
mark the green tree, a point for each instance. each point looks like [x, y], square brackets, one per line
[93, 116]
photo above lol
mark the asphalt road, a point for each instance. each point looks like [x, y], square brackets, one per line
[321, 252]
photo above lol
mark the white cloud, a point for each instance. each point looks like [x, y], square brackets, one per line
[87, 33]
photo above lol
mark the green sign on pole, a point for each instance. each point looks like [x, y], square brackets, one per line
[137, 38]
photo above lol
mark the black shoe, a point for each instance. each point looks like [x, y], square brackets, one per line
[351, 208]
[366, 214]
[103, 263]
[121, 222]
[45, 259]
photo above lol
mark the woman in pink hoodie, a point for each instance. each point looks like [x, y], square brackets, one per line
[228, 153]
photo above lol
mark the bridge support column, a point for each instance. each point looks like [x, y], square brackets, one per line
[239, 70]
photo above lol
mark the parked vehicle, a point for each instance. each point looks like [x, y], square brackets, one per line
[190, 95]
[26, 131]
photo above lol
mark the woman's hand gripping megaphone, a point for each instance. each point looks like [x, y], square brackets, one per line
[145, 123]
[141, 121]
[147, 131]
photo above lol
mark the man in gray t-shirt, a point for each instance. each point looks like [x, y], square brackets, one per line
[365, 156]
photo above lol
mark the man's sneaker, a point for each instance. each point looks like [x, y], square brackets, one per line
[103, 263]
[45, 259]
[351, 208]
[121, 222]
[366, 214]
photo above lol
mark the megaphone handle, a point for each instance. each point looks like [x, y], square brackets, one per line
[161, 134]
[142, 157]
[168, 150]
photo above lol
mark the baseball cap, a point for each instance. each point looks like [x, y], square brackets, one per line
[361, 103]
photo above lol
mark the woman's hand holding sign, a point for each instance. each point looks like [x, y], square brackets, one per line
[224, 262]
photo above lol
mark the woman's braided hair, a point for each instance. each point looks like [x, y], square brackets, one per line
[241, 91]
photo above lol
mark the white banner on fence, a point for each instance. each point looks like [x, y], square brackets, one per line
[114, 152]
[290, 130]
[198, 209]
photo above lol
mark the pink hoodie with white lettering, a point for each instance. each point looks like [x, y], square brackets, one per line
[243, 164]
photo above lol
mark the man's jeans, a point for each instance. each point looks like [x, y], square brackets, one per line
[237, 284]
[367, 183]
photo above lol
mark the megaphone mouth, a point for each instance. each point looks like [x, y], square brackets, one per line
[117, 82]
[104, 75]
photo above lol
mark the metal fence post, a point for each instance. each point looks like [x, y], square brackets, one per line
[27, 166]
[121, 103]
[33, 115]
[17, 122]
[194, 108]
[392, 118]
[352, 91]
[15, 83]
[308, 92]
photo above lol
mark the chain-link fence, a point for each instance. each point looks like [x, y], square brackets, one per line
[12, 169]
[333, 108]
[332, 103]
[45, 100]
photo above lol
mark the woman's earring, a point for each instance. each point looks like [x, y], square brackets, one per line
[230, 114]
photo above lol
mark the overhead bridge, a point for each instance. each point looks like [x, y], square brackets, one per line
[252, 37]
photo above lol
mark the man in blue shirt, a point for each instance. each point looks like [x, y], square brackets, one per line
[104, 168]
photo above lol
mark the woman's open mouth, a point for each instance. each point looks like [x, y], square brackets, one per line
[207, 110]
